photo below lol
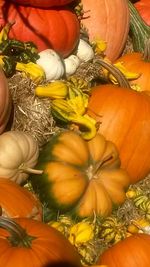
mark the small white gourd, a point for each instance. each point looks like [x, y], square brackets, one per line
[52, 64]
[71, 64]
[84, 51]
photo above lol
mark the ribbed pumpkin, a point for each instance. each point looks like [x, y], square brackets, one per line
[107, 20]
[5, 102]
[47, 28]
[26, 242]
[132, 251]
[19, 153]
[125, 120]
[43, 3]
[83, 177]
[17, 201]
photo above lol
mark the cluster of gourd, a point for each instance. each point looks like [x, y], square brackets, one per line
[72, 175]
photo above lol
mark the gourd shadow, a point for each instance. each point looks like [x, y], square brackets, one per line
[60, 264]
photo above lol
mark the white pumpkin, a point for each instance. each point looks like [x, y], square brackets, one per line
[52, 64]
[84, 51]
[18, 155]
[71, 64]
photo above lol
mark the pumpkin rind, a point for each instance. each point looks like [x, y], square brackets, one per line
[17, 201]
[136, 63]
[143, 8]
[107, 20]
[125, 120]
[80, 176]
[57, 29]
[133, 251]
[48, 247]
[43, 3]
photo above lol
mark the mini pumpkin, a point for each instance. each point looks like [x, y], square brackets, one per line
[5, 102]
[53, 28]
[17, 201]
[82, 177]
[18, 155]
[124, 117]
[33, 243]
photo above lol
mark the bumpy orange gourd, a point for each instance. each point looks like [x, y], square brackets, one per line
[107, 20]
[83, 177]
[5, 102]
[56, 28]
[17, 201]
[125, 120]
[132, 251]
[32, 243]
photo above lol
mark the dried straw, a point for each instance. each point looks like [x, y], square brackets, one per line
[31, 113]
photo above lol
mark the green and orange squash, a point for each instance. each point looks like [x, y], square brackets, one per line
[80, 177]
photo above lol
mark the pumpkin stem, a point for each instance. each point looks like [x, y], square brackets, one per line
[18, 236]
[120, 77]
[146, 54]
[140, 31]
[25, 169]
[30, 170]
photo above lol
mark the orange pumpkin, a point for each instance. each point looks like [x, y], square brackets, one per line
[56, 28]
[139, 63]
[124, 115]
[107, 20]
[17, 201]
[80, 177]
[27, 242]
[43, 3]
[143, 7]
[133, 251]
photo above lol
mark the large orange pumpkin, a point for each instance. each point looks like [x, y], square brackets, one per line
[17, 201]
[125, 120]
[133, 251]
[47, 28]
[5, 102]
[107, 20]
[27, 242]
[80, 177]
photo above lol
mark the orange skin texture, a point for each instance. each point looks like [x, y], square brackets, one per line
[57, 29]
[135, 62]
[43, 3]
[108, 20]
[48, 247]
[143, 7]
[17, 201]
[124, 115]
[133, 251]
[5, 102]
